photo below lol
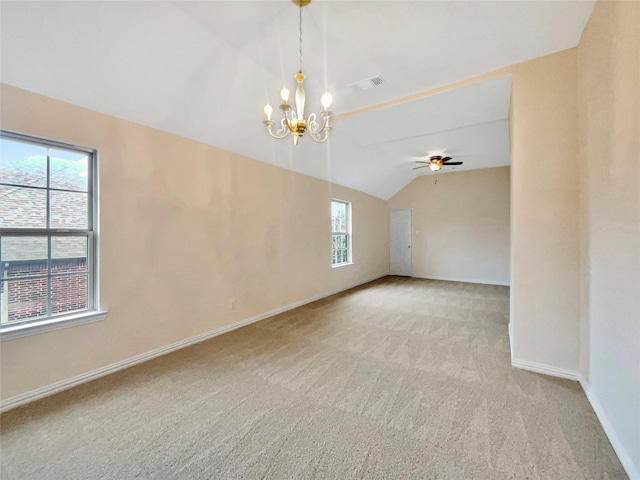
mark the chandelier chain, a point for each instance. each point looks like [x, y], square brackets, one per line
[300, 38]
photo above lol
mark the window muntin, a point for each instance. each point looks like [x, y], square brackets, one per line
[47, 241]
[340, 232]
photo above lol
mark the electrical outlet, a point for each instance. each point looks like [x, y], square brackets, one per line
[232, 303]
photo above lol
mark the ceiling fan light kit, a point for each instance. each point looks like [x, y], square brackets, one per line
[436, 162]
[293, 122]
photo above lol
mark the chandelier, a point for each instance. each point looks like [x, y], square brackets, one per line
[293, 121]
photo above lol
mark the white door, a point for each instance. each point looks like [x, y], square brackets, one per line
[401, 231]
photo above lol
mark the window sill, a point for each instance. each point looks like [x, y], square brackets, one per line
[338, 265]
[9, 332]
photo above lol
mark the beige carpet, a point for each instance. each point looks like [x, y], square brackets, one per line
[399, 379]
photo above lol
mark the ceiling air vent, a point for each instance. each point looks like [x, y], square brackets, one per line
[368, 83]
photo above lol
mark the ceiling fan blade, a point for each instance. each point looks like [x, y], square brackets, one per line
[446, 159]
[452, 163]
[422, 166]
[422, 161]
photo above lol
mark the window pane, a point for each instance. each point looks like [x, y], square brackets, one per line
[23, 256]
[338, 208]
[69, 210]
[68, 293]
[340, 246]
[26, 299]
[339, 241]
[68, 254]
[23, 207]
[69, 170]
[23, 163]
[338, 217]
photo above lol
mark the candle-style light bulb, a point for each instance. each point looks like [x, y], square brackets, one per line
[326, 100]
[268, 110]
[284, 94]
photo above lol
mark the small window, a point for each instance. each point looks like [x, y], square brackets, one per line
[340, 233]
[47, 231]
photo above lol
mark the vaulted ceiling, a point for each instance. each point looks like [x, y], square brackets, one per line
[204, 70]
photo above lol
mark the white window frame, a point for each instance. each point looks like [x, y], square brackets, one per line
[348, 233]
[92, 313]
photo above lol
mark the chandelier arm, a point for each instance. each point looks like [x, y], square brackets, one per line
[292, 118]
[313, 124]
[314, 128]
[282, 132]
[285, 127]
[319, 133]
[321, 136]
[289, 120]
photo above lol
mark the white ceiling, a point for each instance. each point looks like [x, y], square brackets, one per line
[204, 70]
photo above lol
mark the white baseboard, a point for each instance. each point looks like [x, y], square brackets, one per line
[39, 393]
[545, 369]
[511, 341]
[633, 471]
[465, 280]
[621, 452]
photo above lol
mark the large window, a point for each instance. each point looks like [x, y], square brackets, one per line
[47, 236]
[340, 233]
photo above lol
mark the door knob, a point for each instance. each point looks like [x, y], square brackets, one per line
[409, 246]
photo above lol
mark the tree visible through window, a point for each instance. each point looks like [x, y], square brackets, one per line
[46, 229]
[340, 232]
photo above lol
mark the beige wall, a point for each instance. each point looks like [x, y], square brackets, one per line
[544, 205]
[185, 228]
[460, 225]
[609, 139]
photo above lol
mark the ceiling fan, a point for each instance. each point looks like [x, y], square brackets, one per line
[436, 162]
